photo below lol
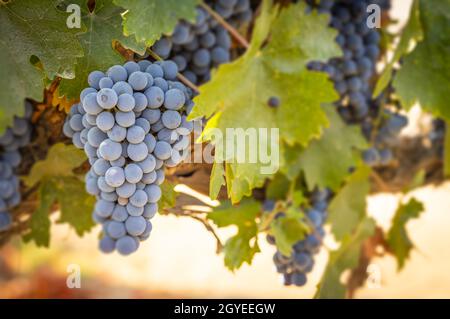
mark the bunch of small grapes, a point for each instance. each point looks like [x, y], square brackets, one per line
[352, 74]
[15, 137]
[295, 268]
[131, 122]
[198, 47]
[235, 12]
[436, 136]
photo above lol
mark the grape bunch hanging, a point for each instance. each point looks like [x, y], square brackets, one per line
[198, 47]
[295, 268]
[15, 137]
[131, 122]
[353, 73]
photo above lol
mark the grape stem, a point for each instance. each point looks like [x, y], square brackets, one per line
[180, 76]
[226, 25]
[177, 211]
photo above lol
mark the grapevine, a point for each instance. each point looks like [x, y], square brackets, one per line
[277, 118]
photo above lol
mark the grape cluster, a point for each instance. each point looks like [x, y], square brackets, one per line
[131, 122]
[198, 47]
[294, 268]
[235, 12]
[436, 136]
[353, 72]
[15, 137]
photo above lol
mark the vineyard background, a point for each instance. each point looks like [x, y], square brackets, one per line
[179, 259]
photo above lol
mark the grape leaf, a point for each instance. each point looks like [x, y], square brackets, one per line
[147, 20]
[243, 246]
[424, 75]
[168, 197]
[321, 169]
[348, 206]
[397, 237]
[101, 28]
[75, 205]
[217, 180]
[32, 29]
[237, 95]
[288, 230]
[40, 220]
[278, 187]
[61, 161]
[346, 257]
[59, 184]
[411, 34]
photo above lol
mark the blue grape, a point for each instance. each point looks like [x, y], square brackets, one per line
[110, 150]
[125, 119]
[94, 79]
[153, 193]
[126, 190]
[138, 80]
[126, 102]
[135, 225]
[137, 152]
[171, 119]
[162, 84]
[105, 121]
[115, 229]
[174, 99]
[155, 70]
[133, 173]
[139, 198]
[107, 98]
[117, 133]
[162, 150]
[170, 69]
[117, 73]
[107, 245]
[126, 245]
[155, 97]
[115, 176]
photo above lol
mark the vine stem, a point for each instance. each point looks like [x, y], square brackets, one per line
[226, 25]
[177, 211]
[179, 75]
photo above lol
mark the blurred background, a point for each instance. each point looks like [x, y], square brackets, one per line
[179, 260]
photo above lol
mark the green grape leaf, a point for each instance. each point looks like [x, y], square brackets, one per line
[397, 237]
[288, 230]
[61, 161]
[321, 169]
[348, 207]
[217, 180]
[278, 187]
[273, 69]
[75, 205]
[346, 257]
[32, 30]
[40, 220]
[147, 20]
[424, 75]
[168, 197]
[412, 33]
[243, 245]
[101, 28]
[59, 184]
